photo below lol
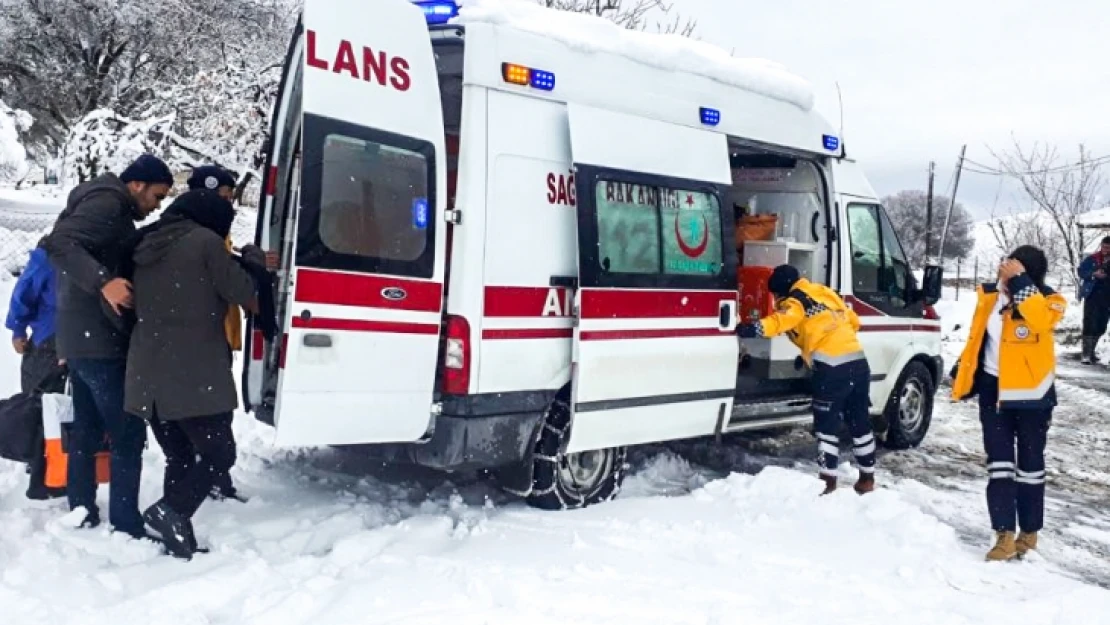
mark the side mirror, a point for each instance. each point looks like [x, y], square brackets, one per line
[931, 283]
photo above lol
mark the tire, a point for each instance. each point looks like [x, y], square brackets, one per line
[909, 411]
[571, 481]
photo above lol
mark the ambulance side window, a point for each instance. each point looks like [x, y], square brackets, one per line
[879, 268]
[648, 229]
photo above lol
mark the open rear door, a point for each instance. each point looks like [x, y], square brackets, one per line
[655, 350]
[366, 304]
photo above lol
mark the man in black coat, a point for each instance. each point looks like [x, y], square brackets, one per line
[88, 246]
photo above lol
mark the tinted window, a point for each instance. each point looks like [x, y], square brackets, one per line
[648, 229]
[367, 200]
[372, 199]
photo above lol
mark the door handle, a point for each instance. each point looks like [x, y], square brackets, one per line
[317, 340]
[727, 315]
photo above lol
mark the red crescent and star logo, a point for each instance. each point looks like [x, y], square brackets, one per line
[698, 226]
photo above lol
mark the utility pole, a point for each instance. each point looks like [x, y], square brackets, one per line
[952, 204]
[929, 210]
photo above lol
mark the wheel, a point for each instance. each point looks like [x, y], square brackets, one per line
[909, 411]
[570, 481]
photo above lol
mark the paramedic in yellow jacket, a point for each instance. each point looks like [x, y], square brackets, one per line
[819, 322]
[1010, 363]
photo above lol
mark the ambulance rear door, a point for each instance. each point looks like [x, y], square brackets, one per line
[366, 300]
[655, 354]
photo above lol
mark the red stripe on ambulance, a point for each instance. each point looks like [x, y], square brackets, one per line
[345, 289]
[662, 333]
[527, 301]
[361, 325]
[645, 304]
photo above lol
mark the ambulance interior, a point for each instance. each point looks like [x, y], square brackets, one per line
[780, 212]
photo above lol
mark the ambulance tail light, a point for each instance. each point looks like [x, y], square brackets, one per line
[456, 356]
[931, 313]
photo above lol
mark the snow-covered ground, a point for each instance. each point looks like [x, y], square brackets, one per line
[701, 534]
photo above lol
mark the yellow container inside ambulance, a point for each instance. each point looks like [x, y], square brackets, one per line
[502, 250]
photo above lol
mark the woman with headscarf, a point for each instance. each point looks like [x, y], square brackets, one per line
[1010, 363]
[179, 366]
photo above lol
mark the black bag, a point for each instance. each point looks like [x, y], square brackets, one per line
[21, 436]
[21, 427]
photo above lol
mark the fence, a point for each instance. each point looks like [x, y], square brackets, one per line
[19, 234]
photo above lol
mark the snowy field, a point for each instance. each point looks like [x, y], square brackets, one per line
[702, 534]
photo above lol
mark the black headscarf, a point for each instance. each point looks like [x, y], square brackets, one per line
[204, 207]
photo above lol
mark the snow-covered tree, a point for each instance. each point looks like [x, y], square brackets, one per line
[630, 14]
[210, 67]
[13, 156]
[907, 210]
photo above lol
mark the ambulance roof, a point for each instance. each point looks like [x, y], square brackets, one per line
[588, 33]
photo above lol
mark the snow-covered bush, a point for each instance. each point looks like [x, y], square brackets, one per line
[13, 156]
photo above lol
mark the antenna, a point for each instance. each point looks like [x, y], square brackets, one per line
[840, 101]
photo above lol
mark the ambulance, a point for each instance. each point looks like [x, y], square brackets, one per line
[509, 242]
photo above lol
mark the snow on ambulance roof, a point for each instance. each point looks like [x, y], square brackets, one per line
[589, 33]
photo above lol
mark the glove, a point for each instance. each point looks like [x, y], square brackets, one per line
[747, 331]
[253, 255]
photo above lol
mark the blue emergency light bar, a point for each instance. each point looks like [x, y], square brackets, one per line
[543, 80]
[709, 117]
[831, 142]
[438, 11]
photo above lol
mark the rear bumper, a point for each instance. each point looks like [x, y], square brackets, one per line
[477, 432]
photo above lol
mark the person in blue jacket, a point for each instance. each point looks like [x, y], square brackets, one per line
[32, 308]
[1094, 292]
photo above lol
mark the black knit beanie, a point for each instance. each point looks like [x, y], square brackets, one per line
[210, 177]
[149, 169]
[782, 280]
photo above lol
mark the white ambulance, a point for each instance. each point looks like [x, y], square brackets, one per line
[507, 247]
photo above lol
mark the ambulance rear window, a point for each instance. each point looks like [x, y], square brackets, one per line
[367, 201]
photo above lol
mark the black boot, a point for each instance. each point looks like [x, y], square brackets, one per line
[175, 530]
[1089, 343]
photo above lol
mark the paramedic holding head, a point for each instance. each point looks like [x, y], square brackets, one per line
[1010, 362]
[824, 328]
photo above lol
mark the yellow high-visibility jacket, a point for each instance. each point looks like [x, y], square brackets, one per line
[818, 321]
[1027, 352]
[233, 322]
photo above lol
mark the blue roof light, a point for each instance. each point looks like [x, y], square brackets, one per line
[832, 143]
[438, 11]
[543, 80]
[710, 117]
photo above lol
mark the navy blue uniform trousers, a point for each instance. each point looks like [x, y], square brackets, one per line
[1015, 441]
[841, 393]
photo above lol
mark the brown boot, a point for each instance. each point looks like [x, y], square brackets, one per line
[1026, 542]
[866, 483]
[1004, 548]
[830, 484]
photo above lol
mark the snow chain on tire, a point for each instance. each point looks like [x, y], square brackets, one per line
[547, 491]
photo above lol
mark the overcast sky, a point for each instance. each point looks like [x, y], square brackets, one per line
[921, 78]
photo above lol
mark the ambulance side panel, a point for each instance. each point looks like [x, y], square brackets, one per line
[530, 239]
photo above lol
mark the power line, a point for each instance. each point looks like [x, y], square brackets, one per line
[991, 171]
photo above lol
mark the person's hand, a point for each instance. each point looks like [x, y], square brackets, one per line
[118, 294]
[747, 331]
[1100, 274]
[253, 255]
[19, 345]
[1009, 268]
